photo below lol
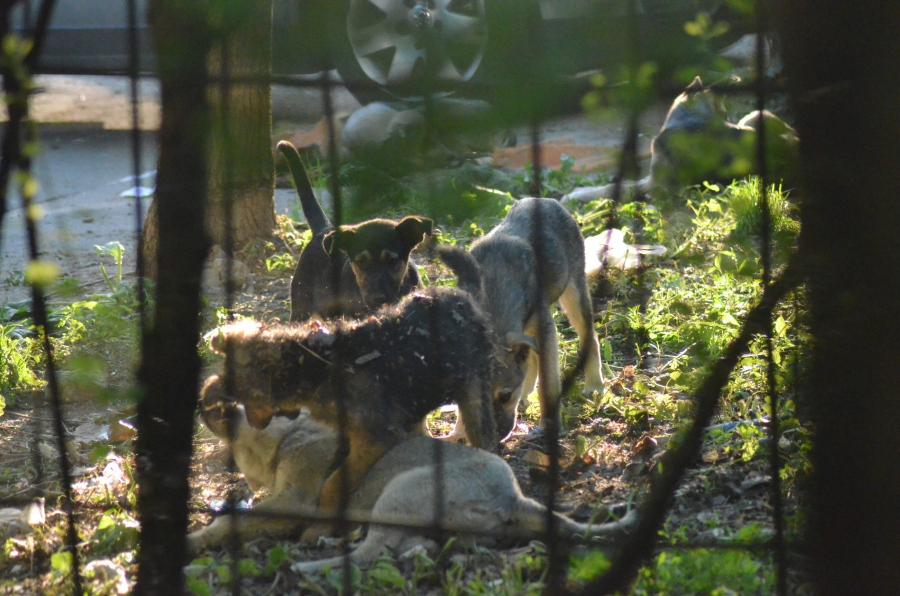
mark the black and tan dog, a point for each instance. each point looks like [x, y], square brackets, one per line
[501, 270]
[294, 459]
[697, 144]
[372, 258]
[381, 375]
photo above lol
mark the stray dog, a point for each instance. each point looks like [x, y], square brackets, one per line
[372, 258]
[378, 377]
[697, 144]
[294, 459]
[609, 250]
[501, 271]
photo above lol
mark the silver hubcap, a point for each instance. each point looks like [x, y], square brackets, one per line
[395, 41]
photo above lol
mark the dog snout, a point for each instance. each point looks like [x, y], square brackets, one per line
[379, 289]
[505, 422]
[259, 417]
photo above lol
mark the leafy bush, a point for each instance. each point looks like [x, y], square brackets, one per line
[705, 572]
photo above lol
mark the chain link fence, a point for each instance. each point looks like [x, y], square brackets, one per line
[535, 92]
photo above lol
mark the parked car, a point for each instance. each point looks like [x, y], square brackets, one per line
[388, 49]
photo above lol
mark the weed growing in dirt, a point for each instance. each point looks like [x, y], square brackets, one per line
[117, 252]
[20, 357]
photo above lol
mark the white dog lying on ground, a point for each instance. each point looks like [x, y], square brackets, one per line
[608, 250]
[294, 457]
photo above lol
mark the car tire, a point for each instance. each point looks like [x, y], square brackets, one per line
[388, 65]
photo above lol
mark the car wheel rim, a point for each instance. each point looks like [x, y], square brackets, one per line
[400, 42]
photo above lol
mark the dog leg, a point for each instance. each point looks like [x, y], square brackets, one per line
[592, 193]
[548, 388]
[458, 433]
[475, 409]
[379, 540]
[576, 303]
[250, 528]
[365, 450]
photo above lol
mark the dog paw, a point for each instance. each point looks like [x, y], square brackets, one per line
[318, 530]
[581, 196]
[590, 388]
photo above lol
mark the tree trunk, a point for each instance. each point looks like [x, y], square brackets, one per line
[170, 366]
[241, 165]
[840, 59]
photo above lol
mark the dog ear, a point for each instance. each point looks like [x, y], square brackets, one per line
[338, 240]
[696, 86]
[216, 341]
[521, 344]
[413, 229]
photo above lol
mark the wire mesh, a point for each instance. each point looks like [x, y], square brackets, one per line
[652, 515]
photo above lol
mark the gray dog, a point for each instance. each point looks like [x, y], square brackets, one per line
[501, 271]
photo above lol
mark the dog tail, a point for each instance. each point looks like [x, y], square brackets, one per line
[464, 266]
[532, 518]
[312, 210]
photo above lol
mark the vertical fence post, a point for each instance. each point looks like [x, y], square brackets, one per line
[170, 365]
[133, 74]
[766, 253]
[17, 91]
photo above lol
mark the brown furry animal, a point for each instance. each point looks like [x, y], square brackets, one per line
[372, 258]
[382, 375]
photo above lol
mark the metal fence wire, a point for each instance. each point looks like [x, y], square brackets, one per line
[20, 131]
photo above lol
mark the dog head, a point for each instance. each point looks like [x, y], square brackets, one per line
[378, 251]
[217, 408]
[251, 359]
[509, 380]
[274, 370]
[695, 109]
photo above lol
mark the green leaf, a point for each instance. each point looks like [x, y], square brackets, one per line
[277, 557]
[593, 565]
[198, 586]
[107, 521]
[223, 574]
[780, 326]
[247, 568]
[61, 562]
[730, 320]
